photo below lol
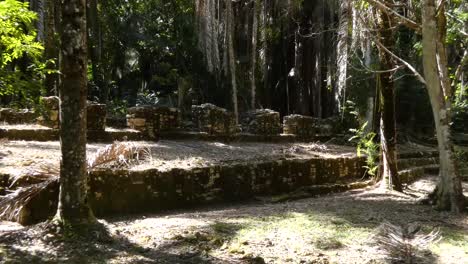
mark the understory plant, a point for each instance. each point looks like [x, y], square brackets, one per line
[366, 145]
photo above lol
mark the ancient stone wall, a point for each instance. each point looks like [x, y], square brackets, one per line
[50, 113]
[168, 118]
[213, 120]
[12, 117]
[302, 126]
[139, 191]
[262, 122]
[152, 119]
[96, 116]
[307, 127]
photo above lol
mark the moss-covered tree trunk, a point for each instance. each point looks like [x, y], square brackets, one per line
[390, 178]
[73, 208]
[448, 194]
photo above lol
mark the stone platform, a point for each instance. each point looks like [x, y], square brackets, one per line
[188, 173]
[42, 133]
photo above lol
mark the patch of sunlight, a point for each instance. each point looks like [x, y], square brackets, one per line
[222, 145]
[293, 230]
[454, 245]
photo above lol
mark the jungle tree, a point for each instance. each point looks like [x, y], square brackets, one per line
[73, 208]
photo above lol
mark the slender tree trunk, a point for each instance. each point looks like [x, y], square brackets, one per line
[38, 7]
[449, 194]
[342, 50]
[318, 54]
[253, 88]
[73, 208]
[390, 177]
[298, 72]
[232, 59]
[51, 51]
[95, 49]
[442, 52]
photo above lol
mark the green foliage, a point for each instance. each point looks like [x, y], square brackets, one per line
[366, 145]
[460, 116]
[117, 107]
[21, 69]
[149, 42]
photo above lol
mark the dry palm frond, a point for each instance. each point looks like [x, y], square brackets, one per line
[405, 244]
[32, 181]
[122, 153]
[35, 174]
[11, 205]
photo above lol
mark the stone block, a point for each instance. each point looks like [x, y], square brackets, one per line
[213, 120]
[96, 116]
[13, 117]
[50, 113]
[299, 125]
[153, 119]
[262, 122]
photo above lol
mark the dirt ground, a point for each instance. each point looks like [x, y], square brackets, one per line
[339, 228]
[17, 156]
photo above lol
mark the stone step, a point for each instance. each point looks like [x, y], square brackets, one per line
[416, 162]
[418, 154]
[411, 174]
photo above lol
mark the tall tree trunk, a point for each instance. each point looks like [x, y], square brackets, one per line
[73, 208]
[232, 59]
[342, 50]
[38, 7]
[318, 55]
[253, 88]
[449, 194]
[51, 51]
[95, 49]
[390, 178]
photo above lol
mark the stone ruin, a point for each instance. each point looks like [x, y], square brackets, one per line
[153, 119]
[307, 127]
[262, 122]
[96, 116]
[301, 126]
[50, 113]
[114, 191]
[214, 120]
[13, 117]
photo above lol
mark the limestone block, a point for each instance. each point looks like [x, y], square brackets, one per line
[303, 126]
[213, 120]
[50, 113]
[12, 116]
[96, 116]
[262, 122]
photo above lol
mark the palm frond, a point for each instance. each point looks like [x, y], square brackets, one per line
[121, 153]
[405, 244]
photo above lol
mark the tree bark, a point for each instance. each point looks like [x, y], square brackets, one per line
[390, 177]
[342, 50]
[449, 194]
[51, 51]
[253, 88]
[232, 59]
[73, 208]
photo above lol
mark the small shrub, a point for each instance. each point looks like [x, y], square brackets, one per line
[367, 145]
